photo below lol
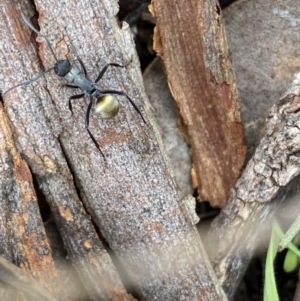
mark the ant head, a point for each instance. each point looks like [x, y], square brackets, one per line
[62, 67]
[107, 106]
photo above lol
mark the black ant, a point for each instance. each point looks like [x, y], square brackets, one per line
[107, 106]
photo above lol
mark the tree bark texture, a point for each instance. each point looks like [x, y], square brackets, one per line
[130, 196]
[233, 236]
[190, 39]
[23, 238]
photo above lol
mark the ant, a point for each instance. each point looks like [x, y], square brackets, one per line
[107, 105]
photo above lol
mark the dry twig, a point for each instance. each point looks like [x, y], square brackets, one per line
[232, 239]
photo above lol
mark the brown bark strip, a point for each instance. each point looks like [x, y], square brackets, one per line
[23, 237]
[131, 198]
[275, 164]
[190, 39]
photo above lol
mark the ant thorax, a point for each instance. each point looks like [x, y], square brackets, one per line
[76, 77]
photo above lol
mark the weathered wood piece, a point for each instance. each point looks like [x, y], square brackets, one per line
[234, 233]
[131, 198]
[23, 239]
[191, 41]
[35, 124]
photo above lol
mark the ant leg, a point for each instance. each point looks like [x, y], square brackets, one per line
[104, 70]
[87, 122]
[74, 97]
[70, 86]
[124, 94]
[81, 64]
[39, 34]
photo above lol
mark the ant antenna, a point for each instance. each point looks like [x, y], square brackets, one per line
[27, 22]
[38, 33]
[29, 81]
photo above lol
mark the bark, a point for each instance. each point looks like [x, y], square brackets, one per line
[130, 195]
[34, 121]
[23, 238]
[191, 41]
[275, 164]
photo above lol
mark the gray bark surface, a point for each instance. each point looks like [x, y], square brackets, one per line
[23, 239]
[169, 125]
[131, 198]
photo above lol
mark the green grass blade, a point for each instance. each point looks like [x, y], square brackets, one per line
[270, 289]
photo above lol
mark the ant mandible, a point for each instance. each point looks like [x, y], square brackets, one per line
[107, 106]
